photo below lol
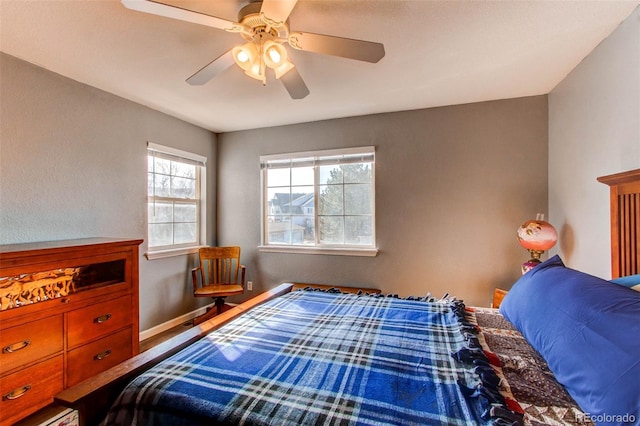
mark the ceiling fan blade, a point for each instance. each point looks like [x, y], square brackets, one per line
[160, 9]
[212, 69]
[276, 12]
[294, 84]
[360, 50]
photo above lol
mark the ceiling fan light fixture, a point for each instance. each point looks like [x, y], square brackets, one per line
[254, 71]
[264, 24]
[245, 55]
[274, 54]
[275, 57]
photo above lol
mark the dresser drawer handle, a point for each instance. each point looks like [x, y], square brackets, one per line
[15, 347]
[102, 355]
[16, 393]
[102, 318]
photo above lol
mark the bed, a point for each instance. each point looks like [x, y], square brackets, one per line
[319, 356]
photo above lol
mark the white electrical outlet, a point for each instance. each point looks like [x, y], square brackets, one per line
[249, 285]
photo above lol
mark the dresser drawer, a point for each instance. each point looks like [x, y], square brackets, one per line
[95, 357]
[30, 342]
[30, 389]
[98, 320]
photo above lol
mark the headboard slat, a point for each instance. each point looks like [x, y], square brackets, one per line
[633, 262]
[628, 255]
[625, 222]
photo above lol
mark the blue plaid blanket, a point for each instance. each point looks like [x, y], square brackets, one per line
[318, 358]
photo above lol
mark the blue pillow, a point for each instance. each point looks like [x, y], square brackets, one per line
[587, 330]
[631, 281]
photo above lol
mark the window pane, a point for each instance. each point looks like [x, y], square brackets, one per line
[302, 200]
[357, 199]
[278, 177]
[330, 174]
[183, 188]
[357, 173]
[171, 221]
[185, 212]
[150, 177]
[303, 229]
[278, 199]
[185, 233]
[297, 232]
[342, 190]
[331, 200]
[278, 204]
[160, 234]
[279, 232]
[358, 230]
[331, 229]
[302, 176]
[161, 165]
[183, 170]
[160, 212]
[159, 185]
[279, 218]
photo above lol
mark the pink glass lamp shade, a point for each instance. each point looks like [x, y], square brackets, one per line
[536, 236]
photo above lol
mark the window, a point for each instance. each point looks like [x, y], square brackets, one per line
[176, 200]
[321, 201]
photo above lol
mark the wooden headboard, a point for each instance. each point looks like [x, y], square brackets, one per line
[625, 222]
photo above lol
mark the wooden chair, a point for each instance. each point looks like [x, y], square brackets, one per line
[219, 275]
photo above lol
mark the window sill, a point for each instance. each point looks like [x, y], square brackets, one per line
[335, 251]
[161, 254]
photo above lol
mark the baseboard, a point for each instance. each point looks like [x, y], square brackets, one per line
[174, 322]
[161, 328]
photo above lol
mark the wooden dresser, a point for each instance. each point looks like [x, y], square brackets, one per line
[68, 310]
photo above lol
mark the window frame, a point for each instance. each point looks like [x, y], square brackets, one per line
[200, 162]
[318, 158]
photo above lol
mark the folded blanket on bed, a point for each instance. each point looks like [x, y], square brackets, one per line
[314, 358]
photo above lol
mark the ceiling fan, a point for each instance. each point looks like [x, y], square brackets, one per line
[265, 27]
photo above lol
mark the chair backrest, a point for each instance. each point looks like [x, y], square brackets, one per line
[220, 265]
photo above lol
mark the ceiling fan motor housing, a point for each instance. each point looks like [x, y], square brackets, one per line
[251, 17]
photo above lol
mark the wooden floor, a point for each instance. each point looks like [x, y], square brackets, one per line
[165, 335]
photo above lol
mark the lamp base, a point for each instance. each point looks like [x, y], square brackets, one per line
[529, 265]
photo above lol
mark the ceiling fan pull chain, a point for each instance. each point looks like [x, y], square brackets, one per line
[263, 71]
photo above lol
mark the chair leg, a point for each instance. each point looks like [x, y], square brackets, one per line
[219, 305]
[211, 312]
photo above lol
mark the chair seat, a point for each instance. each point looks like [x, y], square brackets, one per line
[219, 290]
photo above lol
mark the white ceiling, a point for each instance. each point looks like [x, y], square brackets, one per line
[437, 53]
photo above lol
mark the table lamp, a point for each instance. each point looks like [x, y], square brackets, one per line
[536, 236]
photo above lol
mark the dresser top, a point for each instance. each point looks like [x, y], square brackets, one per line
[10, 250]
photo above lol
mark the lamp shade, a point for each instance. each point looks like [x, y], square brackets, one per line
[245, 55]
[537, 235]
[274, 54]
[275, 57]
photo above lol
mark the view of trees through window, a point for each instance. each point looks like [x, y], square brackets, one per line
[173, 202]
[344, 210]
[319, 202]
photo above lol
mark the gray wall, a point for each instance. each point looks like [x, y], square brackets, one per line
[594, 130]
[452, 186]
[73, 165]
